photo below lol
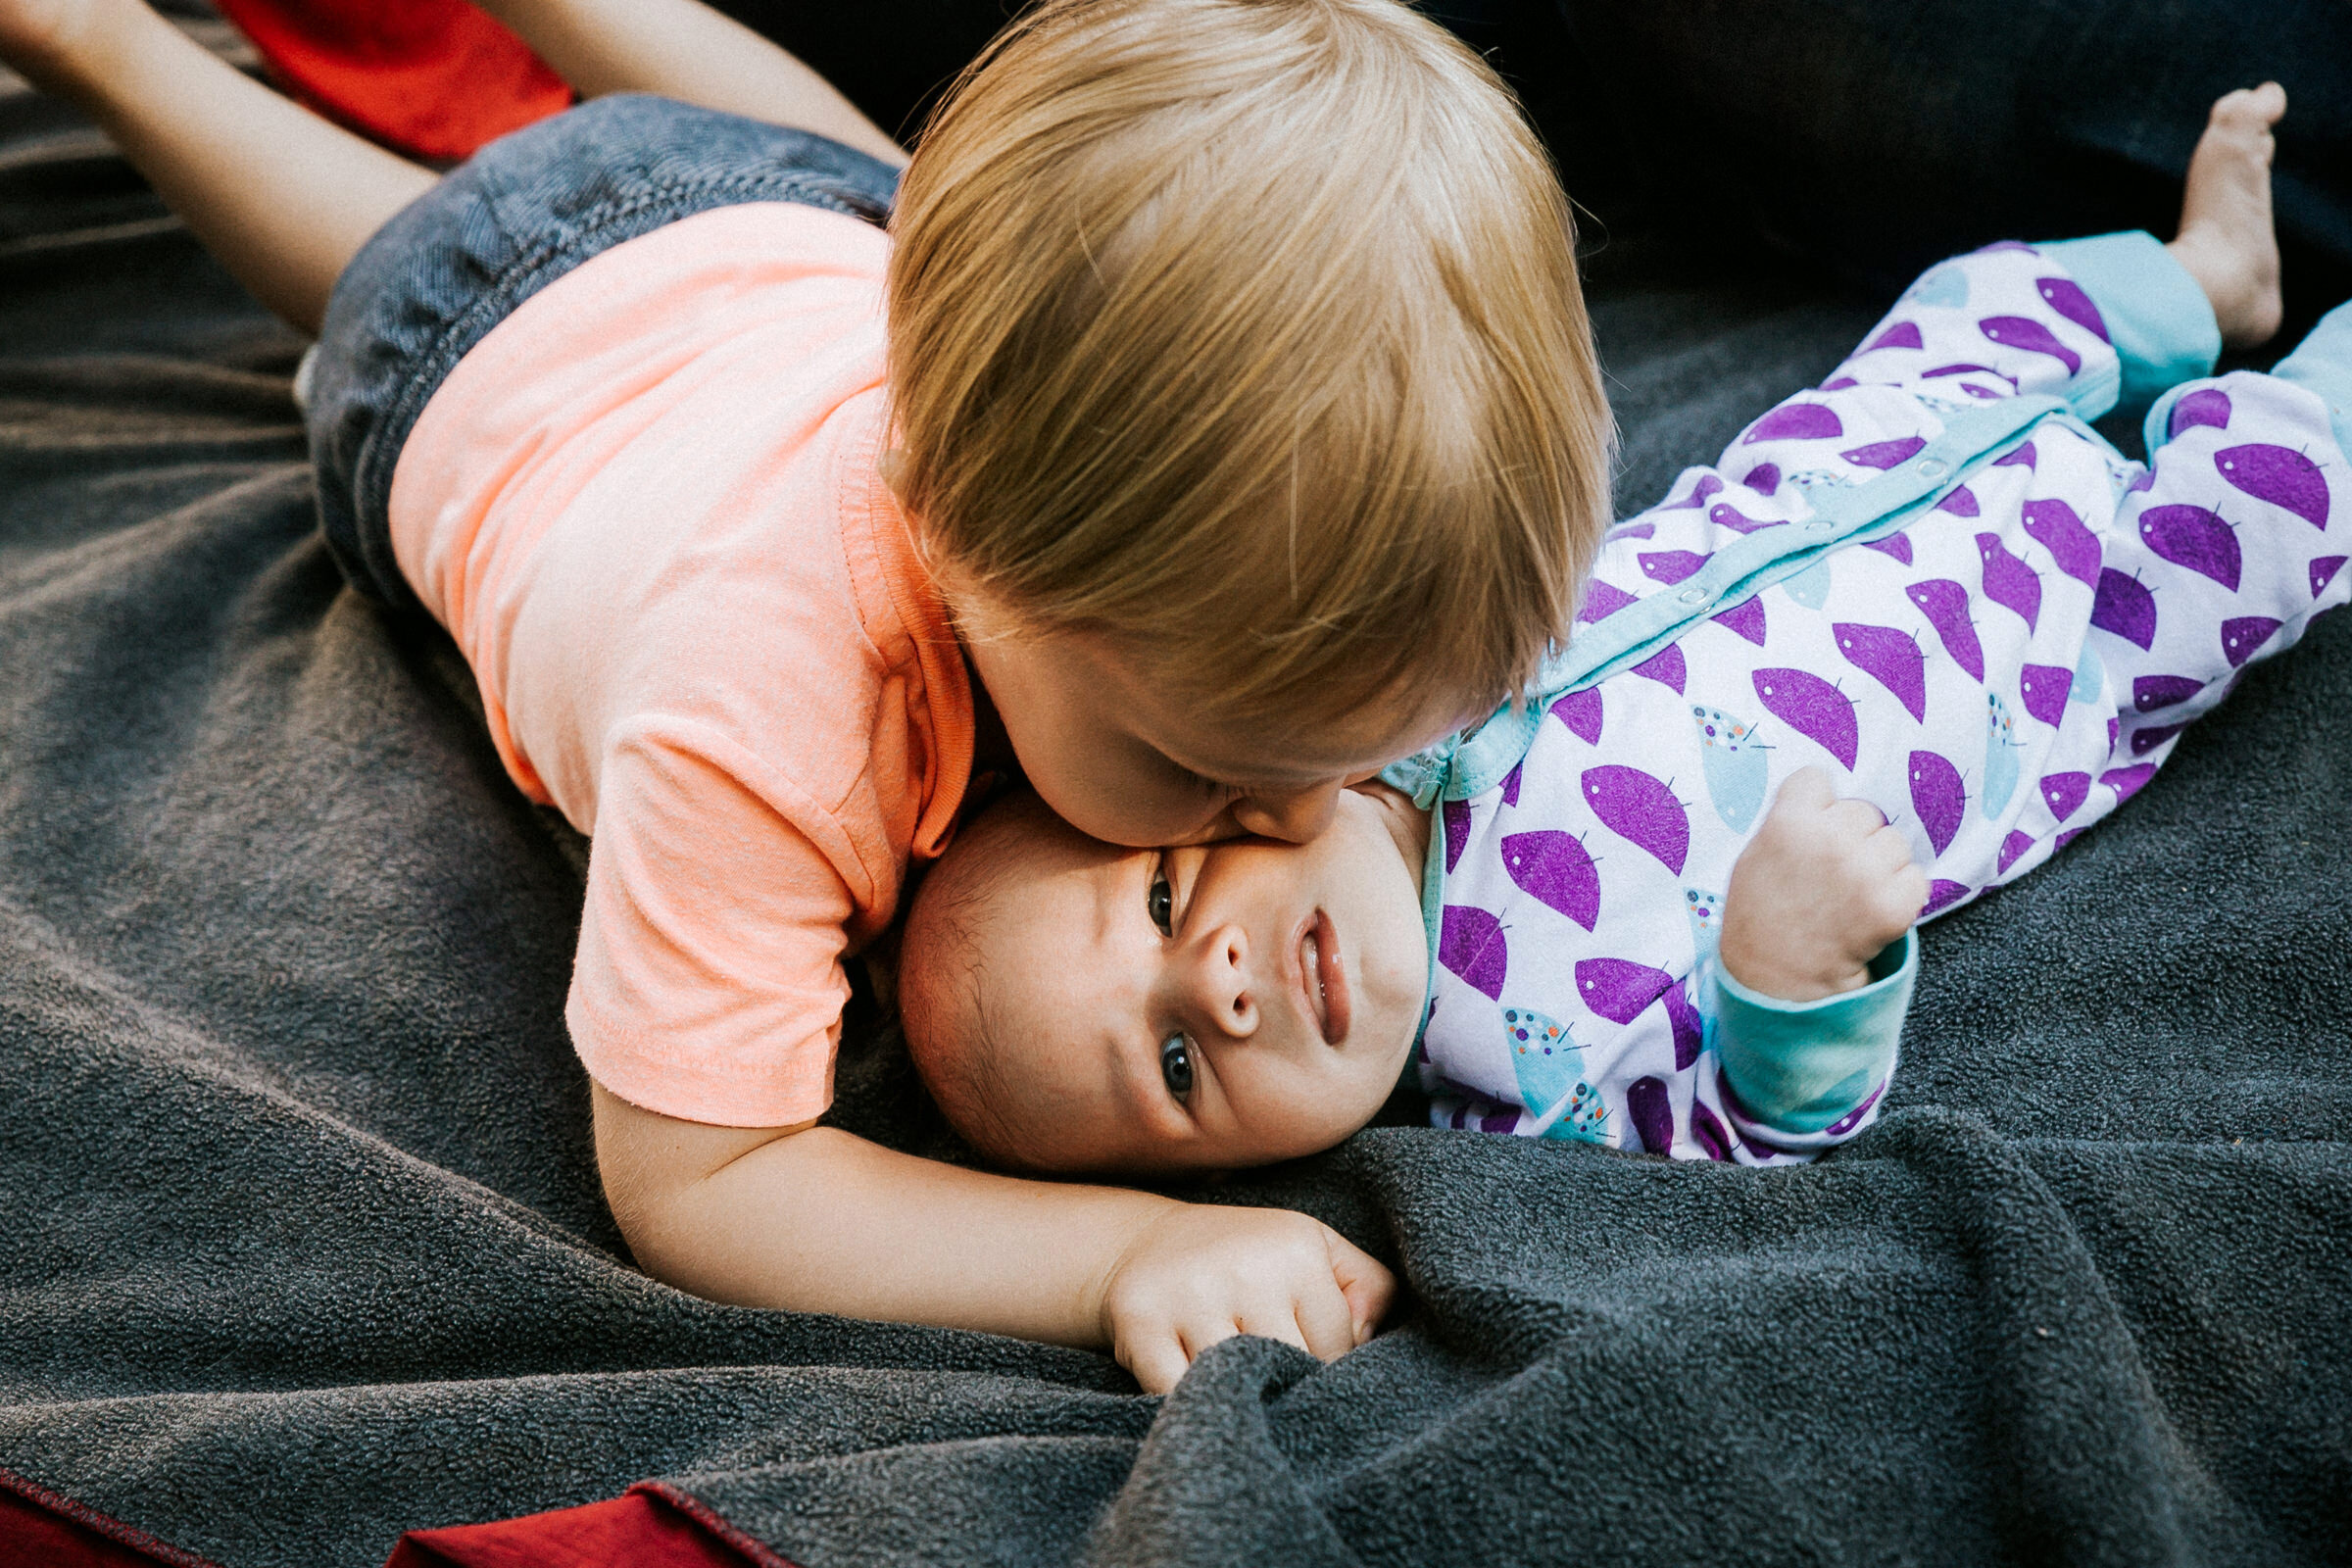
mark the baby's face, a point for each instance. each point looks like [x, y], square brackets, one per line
[1208, 1007]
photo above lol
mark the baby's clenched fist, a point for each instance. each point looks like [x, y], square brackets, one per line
[1200, 1273]
[1824, 886]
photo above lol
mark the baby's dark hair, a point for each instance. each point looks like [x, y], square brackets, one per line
[943, 997]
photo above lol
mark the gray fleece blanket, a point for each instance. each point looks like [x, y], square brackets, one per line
[301, 1245]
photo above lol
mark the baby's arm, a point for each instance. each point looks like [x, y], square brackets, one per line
[815, 1220]
[1814, 965]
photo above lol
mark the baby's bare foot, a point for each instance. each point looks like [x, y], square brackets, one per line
[2226, 241]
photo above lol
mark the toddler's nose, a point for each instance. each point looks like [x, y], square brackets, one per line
[1297, 815]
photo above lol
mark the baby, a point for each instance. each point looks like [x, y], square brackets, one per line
[1927, 585]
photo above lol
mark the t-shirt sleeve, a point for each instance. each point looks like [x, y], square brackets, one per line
[708, 984]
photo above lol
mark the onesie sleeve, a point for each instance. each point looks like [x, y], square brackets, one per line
[1805, 1075]
[2157, 318]
[2094, 322]
[708, 984]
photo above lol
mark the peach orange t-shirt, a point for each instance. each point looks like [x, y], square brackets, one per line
[648, 508]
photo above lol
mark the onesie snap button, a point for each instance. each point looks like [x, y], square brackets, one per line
[1818, 525]
[1692, 596]
[1932, 468]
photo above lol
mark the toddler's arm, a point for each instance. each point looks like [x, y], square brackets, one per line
[815, 1220]
[1818, 912]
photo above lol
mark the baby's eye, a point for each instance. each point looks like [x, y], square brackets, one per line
[1160, 903]
[1176, 1065]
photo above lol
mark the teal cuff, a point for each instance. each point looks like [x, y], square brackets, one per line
[2158, 318]
[2323, 364]
[1799, 1067]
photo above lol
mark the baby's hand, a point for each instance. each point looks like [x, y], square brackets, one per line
[1199, 1273]
[1820, 888]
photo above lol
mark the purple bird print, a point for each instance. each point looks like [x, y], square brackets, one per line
[1891, 657]
[1618, 989]
[1601, 600]
[1670, 567]
[1895, 545]
[2147, 738]
[1510, 785]
[1632, 530]
[1652, 1111]
[2044, 689]
[2009, 582]
[1961, 503]
[2243, 636]
[1746, 618]
[1708, 1132]
[2063, 534]
[1946, 605]
[1690, 1034]
[1938, 797]
[2125, 607]
[2126, 781]
[2064, 793]
[2208, 404]
[1901, 335]
[2322, 572]
[1764, 478]
[1811, 707]
[2068, 299]
[2015, 844]
[1738, 521]
[1471, 945]
[1942, 896]
[2022, 456]
[1665, 666]
[1579, 711]
[1456, 814]
[2280, 476]
[1642, 810]
[2026, 334]
[1795, 422]
[1707, 485]
[1555, 870]
[2194, 538]
[1884, 453]
[2152, 692]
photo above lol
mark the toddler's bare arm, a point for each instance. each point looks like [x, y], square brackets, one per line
[1823, 887]
[814, 1219]
[683, 49]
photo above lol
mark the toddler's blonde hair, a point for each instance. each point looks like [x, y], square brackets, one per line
[1248, 333]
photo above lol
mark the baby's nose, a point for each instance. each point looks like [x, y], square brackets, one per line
[1224, 988]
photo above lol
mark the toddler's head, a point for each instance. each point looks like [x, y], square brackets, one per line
[1245, 400]
[1076, 1007]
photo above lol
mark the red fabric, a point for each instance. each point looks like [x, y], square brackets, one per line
[435, 78]
[641, 1528]
[40, 1529]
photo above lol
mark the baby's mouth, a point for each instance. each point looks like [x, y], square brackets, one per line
[1323, 976]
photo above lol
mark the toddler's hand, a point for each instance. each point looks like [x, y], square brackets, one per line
[1820, 888]
[1200, 1273]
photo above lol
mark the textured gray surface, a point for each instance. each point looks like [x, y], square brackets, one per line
[300, 1239]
